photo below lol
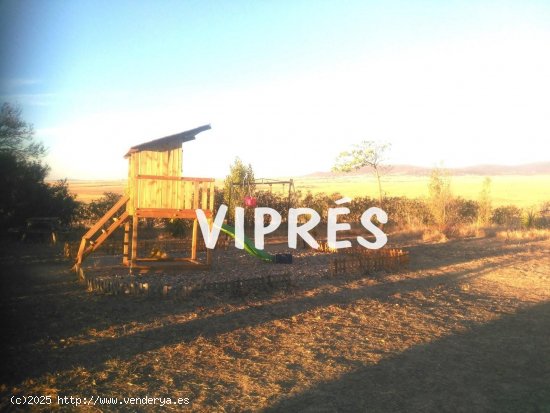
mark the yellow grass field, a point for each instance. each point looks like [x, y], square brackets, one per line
[87, 191]
[522, 191]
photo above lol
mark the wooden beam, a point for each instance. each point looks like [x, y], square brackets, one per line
[110, 230]
[212, 196]
[204, 198]
[81, 249]
[175, 178]
[133, 254]
[169, 213]
[106, 217]
[95, 244]
[196, 195]
[167, 260]
[259, 182]
[194, 240]
[126, 248]
[143, 264]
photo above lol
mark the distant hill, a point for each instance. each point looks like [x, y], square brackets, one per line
[538, 168]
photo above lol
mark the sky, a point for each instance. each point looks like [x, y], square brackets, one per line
[285, 85]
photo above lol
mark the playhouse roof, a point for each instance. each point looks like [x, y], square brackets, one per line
[168, 142]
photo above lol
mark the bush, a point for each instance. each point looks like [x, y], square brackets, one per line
[99, 207]
[24, 194]
[319, 202]
[179, 228]
[218, 199]
[528, 218]
[484, 203]
[359, 205]
[544, 215]
[62, 204]
[464, 211]
[440, 199]
[509, 216]
[276, 200]
[407, 213]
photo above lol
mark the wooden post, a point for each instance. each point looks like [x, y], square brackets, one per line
[126, 248]
[81, 249]
[196, 188]
[290, 185]
[212, 193]
[133, 255]
[194, 240]
[204, 195]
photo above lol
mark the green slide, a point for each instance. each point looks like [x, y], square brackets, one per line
[248, 245]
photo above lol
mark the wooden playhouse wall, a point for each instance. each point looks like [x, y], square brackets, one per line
[145, 188]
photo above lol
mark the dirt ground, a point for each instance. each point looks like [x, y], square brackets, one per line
[465, 329]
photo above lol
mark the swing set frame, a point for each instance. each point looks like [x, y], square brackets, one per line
[263, 181]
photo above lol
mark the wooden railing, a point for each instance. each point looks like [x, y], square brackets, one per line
[172, 192]
[102, 228]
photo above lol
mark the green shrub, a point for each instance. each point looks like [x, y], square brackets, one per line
[528, 218]
[99, 207]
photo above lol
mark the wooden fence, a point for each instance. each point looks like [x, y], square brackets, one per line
[363, 261]
[239, 287]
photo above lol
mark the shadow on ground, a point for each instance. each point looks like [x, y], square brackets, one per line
[55, 306]
[40, 306]
[470, 372]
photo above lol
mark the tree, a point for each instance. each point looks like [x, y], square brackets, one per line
[23, 191]
[441, 198]
[17, 136]
[366, 153]
[485, 207]
[242, 175]
[61, 203]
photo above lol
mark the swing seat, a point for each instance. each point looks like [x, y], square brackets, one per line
[250, 202]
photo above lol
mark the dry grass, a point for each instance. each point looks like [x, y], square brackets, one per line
[433, 235]
[524, 235]
[462, 231]
[465, 329]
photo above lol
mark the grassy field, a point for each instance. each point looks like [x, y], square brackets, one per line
[506, 189]
[87, 191]
[522, 191]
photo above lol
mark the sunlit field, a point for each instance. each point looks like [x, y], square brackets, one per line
[87, 191]
[522, 191]
[505, 189]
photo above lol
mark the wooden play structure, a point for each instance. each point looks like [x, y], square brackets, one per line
[156, 189]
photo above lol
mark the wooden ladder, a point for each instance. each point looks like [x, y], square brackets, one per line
[88, 244]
